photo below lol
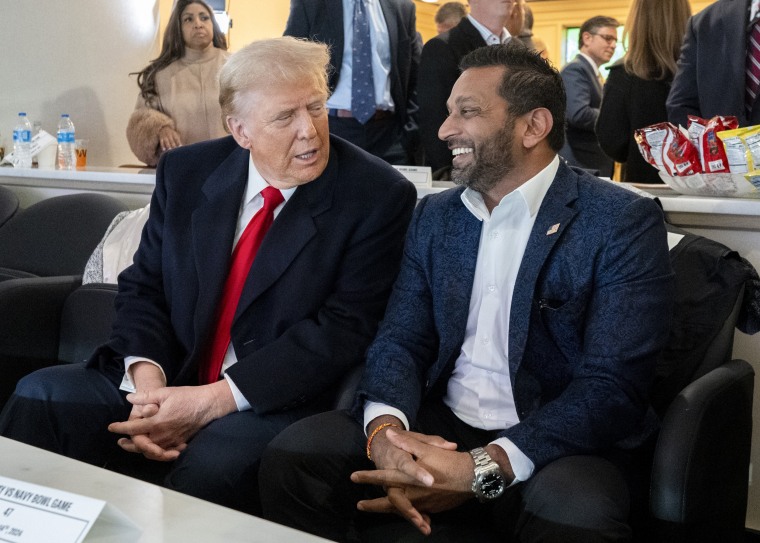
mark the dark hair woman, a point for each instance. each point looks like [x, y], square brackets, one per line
[179, 91]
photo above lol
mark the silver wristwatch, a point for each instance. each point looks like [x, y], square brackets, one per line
[488, 483]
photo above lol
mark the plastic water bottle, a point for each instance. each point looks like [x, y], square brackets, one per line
[22, 142]
[67, 159]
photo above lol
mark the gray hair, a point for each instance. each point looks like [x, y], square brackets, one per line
[275, 61]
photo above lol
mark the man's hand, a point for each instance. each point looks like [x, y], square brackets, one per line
[421, 474]
[163, 420]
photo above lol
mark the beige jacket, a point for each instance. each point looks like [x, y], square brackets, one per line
[188, 101]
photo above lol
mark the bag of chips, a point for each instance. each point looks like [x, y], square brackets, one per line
[679, 157]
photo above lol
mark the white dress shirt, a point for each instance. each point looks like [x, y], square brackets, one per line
[479, 390]
[252, 202]
[381, 58]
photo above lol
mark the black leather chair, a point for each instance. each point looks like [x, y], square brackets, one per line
[8, 204]
[55, 236]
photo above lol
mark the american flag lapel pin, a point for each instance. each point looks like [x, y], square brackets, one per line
[553, 230]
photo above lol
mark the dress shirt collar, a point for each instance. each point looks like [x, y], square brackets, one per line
[590, 61]
[754, 9]
[532, 192]
[489, 37]
[256, 183]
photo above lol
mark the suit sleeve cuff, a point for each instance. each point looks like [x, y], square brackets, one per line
[522, 466]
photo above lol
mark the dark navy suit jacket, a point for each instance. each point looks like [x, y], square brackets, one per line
[322, 21]
[314, 295]
[584, 98]
[711, 78]
[589, 316]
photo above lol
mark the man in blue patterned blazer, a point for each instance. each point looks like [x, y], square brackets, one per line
[519, 345]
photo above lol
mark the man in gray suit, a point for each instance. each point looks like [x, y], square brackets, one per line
[583, 84]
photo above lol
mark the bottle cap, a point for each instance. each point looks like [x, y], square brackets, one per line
[64, 114]
[22, 113]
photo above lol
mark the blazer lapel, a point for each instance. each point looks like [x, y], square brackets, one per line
[734, 33]
[457, 261]
[333, 12]
[554, 216]
[213, 231]
[290, 232]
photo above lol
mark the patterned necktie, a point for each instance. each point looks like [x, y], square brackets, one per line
[242, 258]
[362, 81]
[753, 66]
[600, 78]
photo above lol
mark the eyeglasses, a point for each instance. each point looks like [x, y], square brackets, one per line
[606, 37]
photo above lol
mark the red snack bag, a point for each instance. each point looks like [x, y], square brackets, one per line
[712, 153]
[679, 156]
[649, 140]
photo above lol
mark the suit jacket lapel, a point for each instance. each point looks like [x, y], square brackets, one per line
[734, 25]
[391, 17]
[213, 231]
[291, 230]
[554, 216]
[458, 260]
[589, 69]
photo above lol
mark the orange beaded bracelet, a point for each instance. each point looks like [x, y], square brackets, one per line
[374, 433]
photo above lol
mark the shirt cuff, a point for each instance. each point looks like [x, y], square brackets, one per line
[372, 410]
[240, 401]
[522, 466]
[127, 384]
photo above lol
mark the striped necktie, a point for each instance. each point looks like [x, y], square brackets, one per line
[362, 81]
[753, 66]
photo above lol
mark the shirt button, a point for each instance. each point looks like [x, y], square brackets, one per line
[495, 235]
[491, 288]
[486, 340]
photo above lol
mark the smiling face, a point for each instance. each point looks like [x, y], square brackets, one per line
[286, 129]
[600, 44]
[479, 130]
[197, 27]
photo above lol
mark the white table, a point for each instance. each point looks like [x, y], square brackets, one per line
[163, 515]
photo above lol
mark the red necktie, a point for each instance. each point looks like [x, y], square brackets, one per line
[753, 66]
[242, 258]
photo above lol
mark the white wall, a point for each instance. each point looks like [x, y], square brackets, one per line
[74, 56]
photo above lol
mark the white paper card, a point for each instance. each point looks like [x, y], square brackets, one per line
[421, 176]
[40, 140]
[32, 513]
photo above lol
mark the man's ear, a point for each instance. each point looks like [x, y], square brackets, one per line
[538, 124]
[239, 131]
[586, 37]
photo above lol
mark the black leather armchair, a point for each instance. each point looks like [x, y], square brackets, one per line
[55, 236]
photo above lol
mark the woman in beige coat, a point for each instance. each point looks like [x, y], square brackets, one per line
[179, 91]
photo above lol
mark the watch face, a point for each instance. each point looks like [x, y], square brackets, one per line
[492, 485]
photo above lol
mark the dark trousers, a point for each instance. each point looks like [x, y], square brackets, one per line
[381, 137]
[304, 483]
[66, 409]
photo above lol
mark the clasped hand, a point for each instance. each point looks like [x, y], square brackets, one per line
[421, 474]
[163, 420]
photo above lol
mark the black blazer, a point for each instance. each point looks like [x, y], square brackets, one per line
[710, 78]
[584, 96]
[629, 103]
[439, 70]
[322, 21]
[314, 295]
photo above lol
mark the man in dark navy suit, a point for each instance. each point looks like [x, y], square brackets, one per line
[394, 50]
[309, 306]
[506, 367]
[583, 83]
[712, 70]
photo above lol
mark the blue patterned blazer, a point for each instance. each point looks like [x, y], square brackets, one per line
[589, 317]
